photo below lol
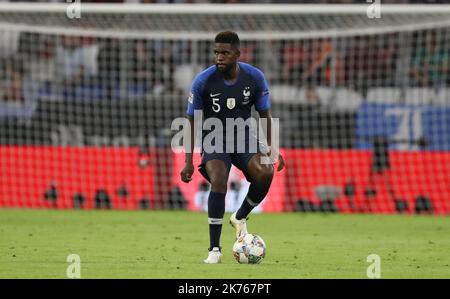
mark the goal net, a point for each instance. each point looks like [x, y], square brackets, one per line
[87, 99]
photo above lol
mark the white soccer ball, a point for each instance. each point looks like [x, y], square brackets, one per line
[249, 249]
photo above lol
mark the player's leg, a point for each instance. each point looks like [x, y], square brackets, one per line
[260, 176]
[216, 172]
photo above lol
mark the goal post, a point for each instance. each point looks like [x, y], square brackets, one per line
[87, 99]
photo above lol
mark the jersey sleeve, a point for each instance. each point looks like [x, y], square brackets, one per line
[262, 96]
[195, 101]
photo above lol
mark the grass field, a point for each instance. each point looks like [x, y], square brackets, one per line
[164, 244]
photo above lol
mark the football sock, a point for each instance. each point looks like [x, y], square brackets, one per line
[256, 193]
[216, 210]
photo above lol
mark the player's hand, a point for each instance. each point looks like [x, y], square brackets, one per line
[186, 173]
[280, 162]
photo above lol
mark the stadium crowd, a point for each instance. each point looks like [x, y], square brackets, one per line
[111, 68]
[37, 67]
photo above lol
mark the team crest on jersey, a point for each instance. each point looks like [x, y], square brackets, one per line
[231, 103]
[246, 94]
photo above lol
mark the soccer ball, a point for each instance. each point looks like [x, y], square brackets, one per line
[249, 249]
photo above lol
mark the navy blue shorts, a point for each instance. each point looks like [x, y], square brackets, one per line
[240, 160]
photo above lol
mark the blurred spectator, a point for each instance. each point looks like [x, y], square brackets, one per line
[294, 60]
[371, 61]
[320, 67]
[109, 65]
[78, 200]
[18, 94]
[76, 58]
[122, 191]
[327, 195]
[430, 62]
[305, 205]
[140, 73]
[379, 171]
[123, 194]
[349, 192]
[13, 91]
[52, 194]
[176, 200]
[423, 205]
[41, 64]
[144, 202]
[9, 43]
[162, 66]
[11, 84]
[102, 199]
[387, 57]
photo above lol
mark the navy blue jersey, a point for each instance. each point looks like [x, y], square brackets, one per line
[217, 98]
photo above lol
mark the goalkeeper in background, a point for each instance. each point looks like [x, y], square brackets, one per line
[228, 90]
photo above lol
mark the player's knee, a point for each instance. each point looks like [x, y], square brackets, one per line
[268, 172]
[219, 184]
[265, 173]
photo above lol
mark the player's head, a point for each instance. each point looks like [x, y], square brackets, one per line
[226, 50]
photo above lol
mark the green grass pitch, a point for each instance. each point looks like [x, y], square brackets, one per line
[166, 244]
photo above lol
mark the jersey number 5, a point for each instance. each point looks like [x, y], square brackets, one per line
[216, 106]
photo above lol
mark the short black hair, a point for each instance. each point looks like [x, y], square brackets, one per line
[228, 37]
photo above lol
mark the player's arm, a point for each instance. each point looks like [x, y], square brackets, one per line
[194, 103]
[266, 114]
[188, 170]
[262, 105]
[190, 150]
